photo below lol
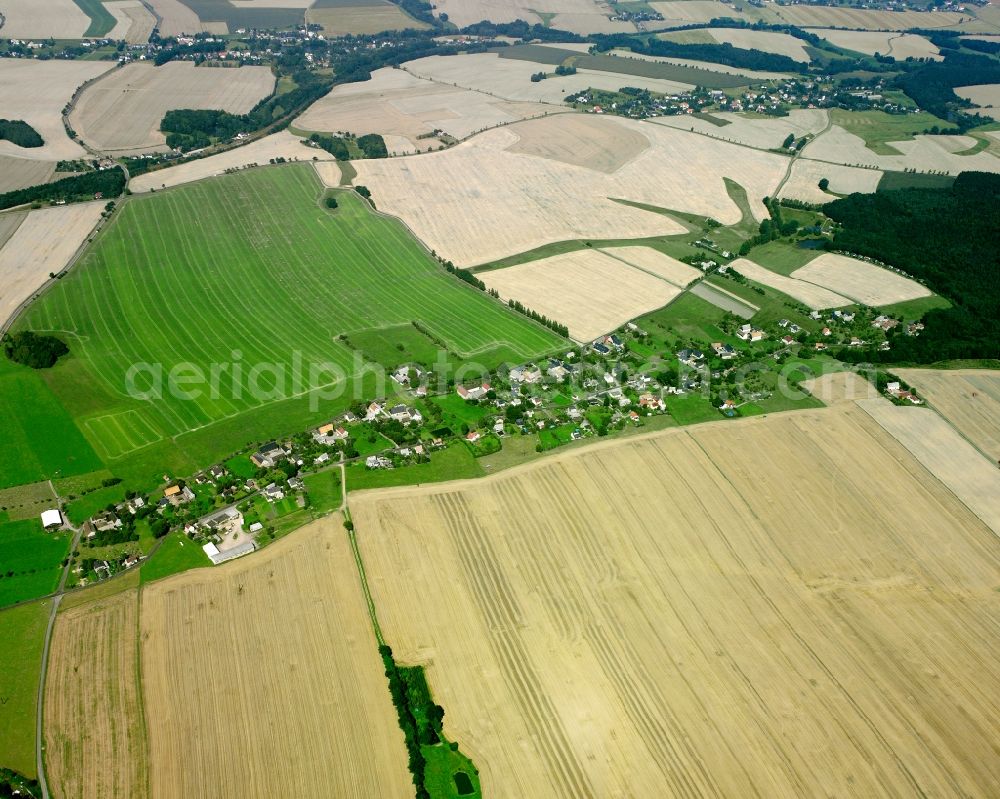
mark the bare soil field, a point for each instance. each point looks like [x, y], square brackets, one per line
[923, 153]
[656, 263]
[9, 222]
[803, 183]
[510, 78]
[482, 200]
[396, 103]
[860, 281]
[945, 454]
[686, 12]
[899, 45]
[29, 19]
[36, 91]
[767, 41]
[133, 21]
[257, 153]
[19, 173]
[95, 733]
[362, 19]
[764, 134]
[177, 18]
[42, 243]
[738, 609]
[968, 398]
[815, 296]
[986, 98]
[575, 16]
[262, 678]
[121, 113]
[590, 292]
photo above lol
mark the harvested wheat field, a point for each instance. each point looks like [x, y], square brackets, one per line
[575, 16]
[734, 609]
[589, 292]
[44, 242]
[483, 200]
[803, 183]
[922, 153]
[945, 454]
[396, 103]
[510, 78]
[810, 294]
[36, 91]
[808, 16]
[121, 113]
[133, 21]
[258, 153]
[262, 678]
[863, 282]
[656, 263]
[95, 733]
[19, 173]
[899, 45]
[986, 98]
[766, 41]
[177, 18]
[764, 134]
[30, 19]
[366, 18]
[968, 398]
[677, 13]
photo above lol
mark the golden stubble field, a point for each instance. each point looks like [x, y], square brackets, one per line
[968, 398]
[859, 280]
[781, 607]
[121, 113]
[515, 188]
[95, 733]
[262, 678]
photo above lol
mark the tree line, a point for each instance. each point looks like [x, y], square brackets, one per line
[107, 182]
[724, 54]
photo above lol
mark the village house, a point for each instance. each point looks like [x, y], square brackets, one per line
[727, 405]
[525, 374]
[378, 462]
[176, 495]
[223, 522]
[651, 402]
[217, 472]
[787, 340]
[329, 435]
[268, 456]
[748, 332]
[52, 519]
[473, 436]
[323, 457]
[692, 358]
[474, 393]
[401, 413]
[273, 492]
[724, 351]
[373, 411]
[296, 484]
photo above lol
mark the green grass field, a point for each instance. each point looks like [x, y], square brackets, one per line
[229, 284]
[454, 463]
[101, 20]
[175, 554]
[22, 631]
[41, 441]
[29, 560]
[878, 128]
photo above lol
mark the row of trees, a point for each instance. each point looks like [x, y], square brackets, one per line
[106, 182]
[419, 718]
[724, 54]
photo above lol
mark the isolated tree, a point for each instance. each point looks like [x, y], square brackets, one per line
[824, 184]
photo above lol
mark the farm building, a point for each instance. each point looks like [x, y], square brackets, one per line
[51, 519]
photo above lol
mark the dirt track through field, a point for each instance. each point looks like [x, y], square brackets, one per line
[757, 608]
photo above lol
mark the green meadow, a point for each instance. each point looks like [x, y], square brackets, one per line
[224, 300]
